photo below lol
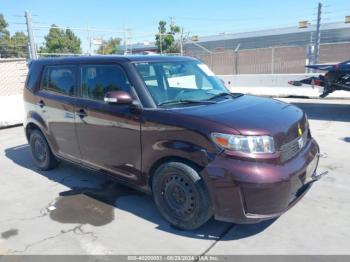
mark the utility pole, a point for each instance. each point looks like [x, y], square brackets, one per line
[124, 42]
[181, 42]
[318, 35]
[89, 39]
[129, 39]
[31, 43]
[160, 41]
[172, 20]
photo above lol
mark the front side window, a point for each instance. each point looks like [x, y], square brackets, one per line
[171, 82]
[60, 79]
[97, 80]
[148, 74]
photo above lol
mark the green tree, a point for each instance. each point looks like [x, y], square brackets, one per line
[165, 40]
[12, 46]
[109, 47]
[61, 41]
[4, 37]
[3, 26]
[18, 44]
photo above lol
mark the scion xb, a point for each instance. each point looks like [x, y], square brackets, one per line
[168, 126]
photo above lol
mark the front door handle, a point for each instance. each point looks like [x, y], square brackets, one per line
[82, 113]
[41, 104]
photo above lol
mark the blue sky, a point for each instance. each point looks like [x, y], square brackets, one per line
[199, 17]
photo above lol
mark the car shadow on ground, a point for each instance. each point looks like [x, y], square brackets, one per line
[93, 197]
[327, 112]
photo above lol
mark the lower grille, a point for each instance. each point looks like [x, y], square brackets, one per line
[290, 149]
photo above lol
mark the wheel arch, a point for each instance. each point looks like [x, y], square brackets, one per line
[34, 125]
[30, 127]
[35, 121]
[167, 159]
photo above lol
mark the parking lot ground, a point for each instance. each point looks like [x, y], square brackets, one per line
[74, 211]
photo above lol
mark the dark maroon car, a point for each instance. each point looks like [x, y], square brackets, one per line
[168, 126]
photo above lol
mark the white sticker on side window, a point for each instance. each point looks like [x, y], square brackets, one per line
[206, 69]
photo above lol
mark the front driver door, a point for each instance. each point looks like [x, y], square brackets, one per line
[108, 135]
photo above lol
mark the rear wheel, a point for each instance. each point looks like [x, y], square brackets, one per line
[41, 151]
[181, 195]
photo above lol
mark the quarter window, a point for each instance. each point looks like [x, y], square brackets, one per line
[60, 79]
[97, 80]
[30, 83]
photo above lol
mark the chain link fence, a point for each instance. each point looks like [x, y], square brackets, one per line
[273, 60]
[13, 72]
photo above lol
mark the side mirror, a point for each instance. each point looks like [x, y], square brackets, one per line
[118, 97]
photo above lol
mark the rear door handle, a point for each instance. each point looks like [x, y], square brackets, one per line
[82, 113]
[41, 104]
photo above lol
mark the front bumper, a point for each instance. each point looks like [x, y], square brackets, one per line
[246, 191]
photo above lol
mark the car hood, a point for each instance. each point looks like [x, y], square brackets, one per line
[251, 115]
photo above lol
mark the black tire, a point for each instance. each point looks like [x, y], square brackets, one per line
[41, 152]
[181, 195]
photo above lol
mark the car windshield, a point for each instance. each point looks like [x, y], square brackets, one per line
[184, 82]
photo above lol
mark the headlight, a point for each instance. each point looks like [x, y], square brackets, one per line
[246, 144]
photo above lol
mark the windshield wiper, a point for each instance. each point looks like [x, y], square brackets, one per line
[206, 101]
[233, 95]
[185, 101]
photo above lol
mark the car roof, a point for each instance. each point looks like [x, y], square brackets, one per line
[113, 58]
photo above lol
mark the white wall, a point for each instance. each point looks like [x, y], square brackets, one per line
[13, 72]
[11, 110]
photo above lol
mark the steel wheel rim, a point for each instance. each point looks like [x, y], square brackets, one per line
[39, 149]
[179, 196]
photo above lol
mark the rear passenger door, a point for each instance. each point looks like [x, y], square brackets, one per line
[56, 104]
[108, 134]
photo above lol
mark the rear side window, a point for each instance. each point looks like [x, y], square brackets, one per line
[33, 76]
[60, 79]
[97, 80]
[30, 83]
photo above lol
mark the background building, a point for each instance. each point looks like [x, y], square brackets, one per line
[282, 50]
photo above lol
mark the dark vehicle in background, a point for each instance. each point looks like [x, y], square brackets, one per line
[168, 126]
[336, 78]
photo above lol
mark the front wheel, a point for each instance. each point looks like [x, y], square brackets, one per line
[181, 195]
